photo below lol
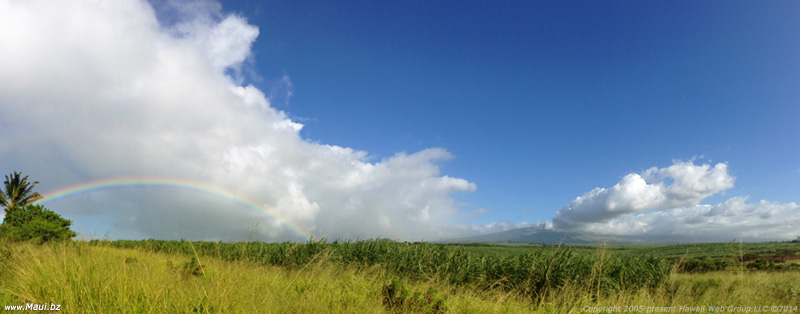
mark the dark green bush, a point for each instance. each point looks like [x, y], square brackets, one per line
[766, 264]
[34, 222]
[399, 299]
[192, 268]
[703, 265]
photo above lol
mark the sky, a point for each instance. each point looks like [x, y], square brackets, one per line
[412, 120]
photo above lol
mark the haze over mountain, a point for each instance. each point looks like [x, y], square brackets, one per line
[540, 235]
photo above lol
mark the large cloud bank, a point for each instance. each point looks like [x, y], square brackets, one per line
[664, 204]
[104, 89]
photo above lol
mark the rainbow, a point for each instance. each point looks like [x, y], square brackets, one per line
[115, 183]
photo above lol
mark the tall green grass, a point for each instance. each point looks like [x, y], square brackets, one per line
[532, 274]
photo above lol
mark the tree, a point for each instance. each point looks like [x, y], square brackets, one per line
[24, 220]
[35, 222]
[18, 192]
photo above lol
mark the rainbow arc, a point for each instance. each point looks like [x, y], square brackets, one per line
[170, 183]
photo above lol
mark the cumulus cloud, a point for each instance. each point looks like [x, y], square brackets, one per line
[661, 204]
[732, 219]
[682, 184]
[98, 90]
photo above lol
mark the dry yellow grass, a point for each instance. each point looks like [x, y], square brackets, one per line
[94, 279]
[91, 279]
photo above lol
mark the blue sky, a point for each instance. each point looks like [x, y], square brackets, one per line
[408, 119]
[541, 101]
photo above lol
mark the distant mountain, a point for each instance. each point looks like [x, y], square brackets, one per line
[540, 235]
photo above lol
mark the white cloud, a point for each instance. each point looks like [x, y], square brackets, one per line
[732, 219]
[663, 204]
[96, 90]
[650, 190]
[692, 183]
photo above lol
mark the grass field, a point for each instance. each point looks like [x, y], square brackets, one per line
[709, 250]
[383, 276]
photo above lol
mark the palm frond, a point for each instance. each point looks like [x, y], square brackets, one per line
[18, 192]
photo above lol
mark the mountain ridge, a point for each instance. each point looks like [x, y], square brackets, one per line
[540, 235]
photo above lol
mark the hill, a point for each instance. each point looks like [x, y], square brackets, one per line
[540, 235]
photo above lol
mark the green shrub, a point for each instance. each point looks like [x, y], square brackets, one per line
[399, 299]
[748, 257]
[34, 222]
[765, 264]
[702, 265]
[192, 268]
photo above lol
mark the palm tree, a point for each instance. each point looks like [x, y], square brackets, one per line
[18, 192]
